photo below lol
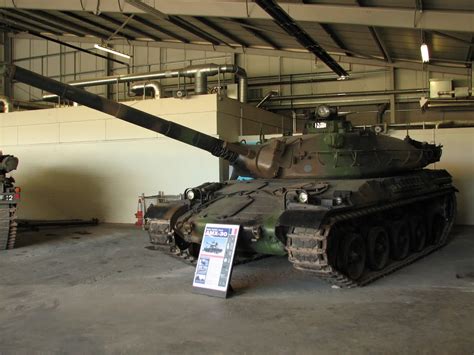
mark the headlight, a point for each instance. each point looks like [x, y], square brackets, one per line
[190, 194]
[324, 111]
[303, 197]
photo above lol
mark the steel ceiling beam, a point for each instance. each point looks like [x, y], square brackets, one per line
[300, 54]
[220, 29]
[380, 44]
[21, 27]
[175, 20]
[442, 20]
[335, 38]
[449, 36]
[470, 52]
[90, 22]
[185, 25]
[119, 23]
[68, 24]
[33, 17]
[291, 27]
[158, 28]
[257, 33]
[13, 19]
[376, 37]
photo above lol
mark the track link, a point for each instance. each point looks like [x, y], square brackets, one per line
[170, 249]
[308, 248]
[8, 227]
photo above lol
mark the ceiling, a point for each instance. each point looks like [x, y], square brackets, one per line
[371, 29]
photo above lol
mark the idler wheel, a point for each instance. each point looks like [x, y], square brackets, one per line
[418, 233]
[352, 256]
[194, 250]
[378, 248]
[400, 240]
[438, 222]
[450, 206]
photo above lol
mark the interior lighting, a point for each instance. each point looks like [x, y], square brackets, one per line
[110, 50]
[425, 55]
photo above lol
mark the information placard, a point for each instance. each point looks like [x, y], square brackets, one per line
[214, 265]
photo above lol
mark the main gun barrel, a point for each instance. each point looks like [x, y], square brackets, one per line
[170, 129]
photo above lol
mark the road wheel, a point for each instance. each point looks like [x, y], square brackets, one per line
[438, 222]
[352, 256]
[418, 233]
[378, 248]
[400, 240]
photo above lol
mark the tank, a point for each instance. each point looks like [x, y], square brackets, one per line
[348, 205]
[9, 196]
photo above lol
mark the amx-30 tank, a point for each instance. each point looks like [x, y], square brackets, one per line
[212, 248]
[9, 196]
[346, 204]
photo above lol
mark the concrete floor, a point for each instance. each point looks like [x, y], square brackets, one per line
[97, 289]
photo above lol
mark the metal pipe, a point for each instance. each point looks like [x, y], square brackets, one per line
[129, 114]
[346, 94]
[6, 104]
[431, 124]
[154, 86]
[198, 72]
[381, 111]
[266, 97]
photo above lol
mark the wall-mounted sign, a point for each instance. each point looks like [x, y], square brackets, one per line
[214, 265]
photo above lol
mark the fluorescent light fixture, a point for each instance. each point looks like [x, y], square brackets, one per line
[110, 50]
[425, 55]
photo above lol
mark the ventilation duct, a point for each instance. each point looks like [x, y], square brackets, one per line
[198, 72]
[5, 104]
[143, 88]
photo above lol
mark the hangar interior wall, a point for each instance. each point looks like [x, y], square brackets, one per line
[457, 159]
[79, 163]
[113, 162]
[66, 64]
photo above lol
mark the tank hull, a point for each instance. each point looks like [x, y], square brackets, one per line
[274, 222]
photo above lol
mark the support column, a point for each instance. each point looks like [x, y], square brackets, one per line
[393, 114]
[108, 72]
[8, 58]
[472, 77]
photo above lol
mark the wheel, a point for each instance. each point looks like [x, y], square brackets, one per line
[378, 248]
[194, 250]
[450, 207]
[438, 222]
[418, 233]
[399, 240]
[352, 256]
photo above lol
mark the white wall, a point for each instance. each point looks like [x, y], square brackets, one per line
[457, 159]
[79, 163]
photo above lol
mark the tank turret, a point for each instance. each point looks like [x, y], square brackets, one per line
[331, 149]
[344, 203]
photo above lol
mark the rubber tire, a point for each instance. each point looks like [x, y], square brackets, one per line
[376, 235]
[419, 234]
[399, 240]
[350, 241]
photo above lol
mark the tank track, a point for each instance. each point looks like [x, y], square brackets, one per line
[308, 247]
[8, 227]
[185, 257]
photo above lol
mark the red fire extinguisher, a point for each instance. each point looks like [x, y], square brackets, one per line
[139, 214]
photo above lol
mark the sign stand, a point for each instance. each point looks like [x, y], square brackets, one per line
[215, 262]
